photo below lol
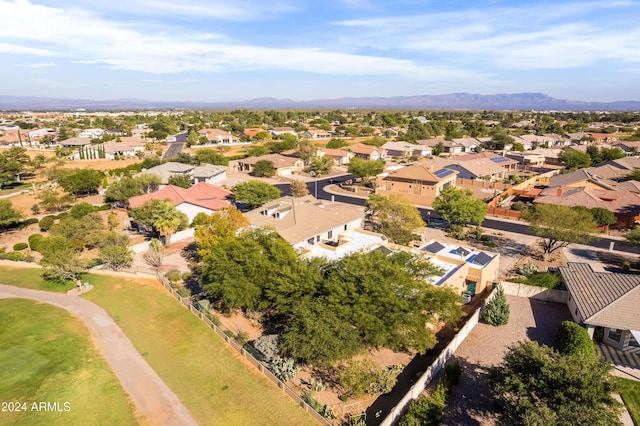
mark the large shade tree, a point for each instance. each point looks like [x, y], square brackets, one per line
[558, 226]
[458, 206]
[254, 193]
[394, 216]
[365, 169]
[540, 386]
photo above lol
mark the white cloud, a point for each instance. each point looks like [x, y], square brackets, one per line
[84, 38]
[527, 37]
[37, 66]
[236, 10]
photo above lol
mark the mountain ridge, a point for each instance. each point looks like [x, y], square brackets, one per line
[452, 101]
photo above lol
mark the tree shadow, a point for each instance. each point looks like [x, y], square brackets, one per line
[471, 401]
[383, 405]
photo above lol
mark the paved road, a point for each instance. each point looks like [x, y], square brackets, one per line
[174, 149]
[319, 187]
[149, 393]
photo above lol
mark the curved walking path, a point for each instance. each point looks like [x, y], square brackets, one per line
[151, 396]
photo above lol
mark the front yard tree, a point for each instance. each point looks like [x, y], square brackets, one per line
[81, 182]
[8, 214]
[12, 163]
[632, 237]
[365, 170]
[219, 224]
[320, 165]
[254, 193]
[182, 181]
[540, 386]
[603, 217]
[458, 206]
[60, 260]
[115, 252]
[558, 226]
[299, 188]
[51, 200]
[571, 338]
[574, 159]
[166, 219]
[264, 168]
[395, 217]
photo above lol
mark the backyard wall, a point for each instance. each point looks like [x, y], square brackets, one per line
[539, 293]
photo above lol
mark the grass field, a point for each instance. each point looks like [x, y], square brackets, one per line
[211, 381]
[630, 393]
[30, 278]
[215, 385]
[46, 355]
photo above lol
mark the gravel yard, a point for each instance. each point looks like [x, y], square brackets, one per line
[471, 402]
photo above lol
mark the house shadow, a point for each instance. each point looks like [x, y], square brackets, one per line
[511, 248]
[547, 317]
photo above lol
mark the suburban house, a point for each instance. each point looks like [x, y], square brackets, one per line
[306, 221]
[250, 133]
[606, 303]
[200, 198]
[316, 134]
[468, 144]
[284, 165]
[582, 178]
[368, 152]
[279, 131]
[604, 137]
[531, 159]
[464, 269]
[630, 148]
[340, 156]
[217, 136]
[406, 149]
[37, 134]
[91, 133]
[624, 205]
[420, 183]
[204, 173]
[504, 162]
[75, 142]
[478, 168]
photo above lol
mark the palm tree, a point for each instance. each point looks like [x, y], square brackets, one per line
[166, 219]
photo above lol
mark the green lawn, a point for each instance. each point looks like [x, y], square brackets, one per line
[46, 355]
[194, 362]
[30, 278]
[630, 393]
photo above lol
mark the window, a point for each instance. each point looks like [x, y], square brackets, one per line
[615, 335]
[330, 234]
[345, 227]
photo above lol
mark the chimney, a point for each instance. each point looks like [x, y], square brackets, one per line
[559, 191]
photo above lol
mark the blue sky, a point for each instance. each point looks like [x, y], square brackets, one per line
[221, 50]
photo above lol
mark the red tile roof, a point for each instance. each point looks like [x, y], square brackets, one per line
[202, 194]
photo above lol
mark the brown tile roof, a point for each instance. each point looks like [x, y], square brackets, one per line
[604, 298]
[308, 218]
[418, 172]
[615, 201]
[202, 194]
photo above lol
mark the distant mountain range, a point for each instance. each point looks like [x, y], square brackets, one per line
[454, 101]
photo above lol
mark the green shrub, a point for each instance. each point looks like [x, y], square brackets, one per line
[186, 276]
[30, 221]
[366, 377]
[20, 246]
[104, 207]
[452, 373]
[94, 262]
[426, 411]
[571, 338]
[80, 210]
[519, 206]
[173, 275]
[46, 222]
[35, 241]
[61, 215]
[17, 256]
[497, 310]
[545, 279]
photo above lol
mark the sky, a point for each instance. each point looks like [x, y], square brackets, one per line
[226, 50]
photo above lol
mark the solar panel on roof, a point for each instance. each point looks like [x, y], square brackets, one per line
[482, 258]
[434, 247]
[499, 159]
[442, 172]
